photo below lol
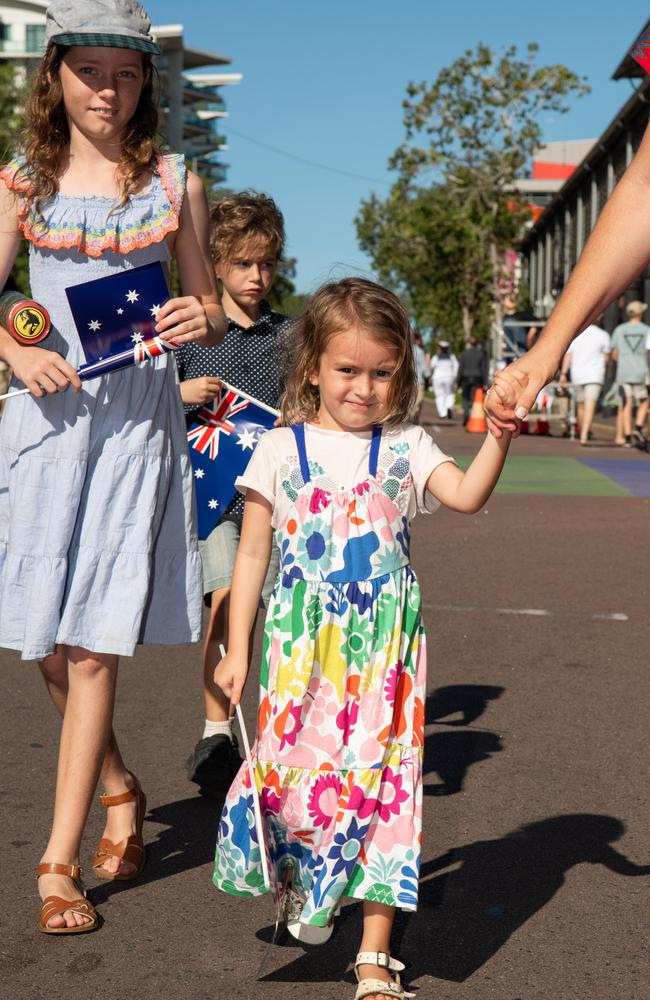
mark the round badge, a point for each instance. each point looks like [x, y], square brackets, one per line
[31, 323]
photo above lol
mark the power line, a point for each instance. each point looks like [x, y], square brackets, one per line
[301, 159]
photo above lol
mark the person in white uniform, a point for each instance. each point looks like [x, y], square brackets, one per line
[587, 361]
[444, 368]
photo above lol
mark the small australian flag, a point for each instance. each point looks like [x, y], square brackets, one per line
[221, 441]
[115, 318]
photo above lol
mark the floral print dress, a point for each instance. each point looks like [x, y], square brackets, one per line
[338, 756]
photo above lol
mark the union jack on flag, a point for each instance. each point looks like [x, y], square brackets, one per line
[640, 51]
[216, 421]
[221, 441]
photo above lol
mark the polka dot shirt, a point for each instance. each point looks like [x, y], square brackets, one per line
[250, 359]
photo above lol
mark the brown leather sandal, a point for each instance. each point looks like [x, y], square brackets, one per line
[131, 849]
[55, 904]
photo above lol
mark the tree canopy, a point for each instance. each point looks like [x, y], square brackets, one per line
[439, 236]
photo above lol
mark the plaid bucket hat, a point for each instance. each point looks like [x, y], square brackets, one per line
[116, 24]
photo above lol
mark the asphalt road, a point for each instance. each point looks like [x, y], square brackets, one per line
[536, 797]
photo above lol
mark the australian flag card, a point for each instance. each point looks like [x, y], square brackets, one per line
[221, 441]
[115, 318]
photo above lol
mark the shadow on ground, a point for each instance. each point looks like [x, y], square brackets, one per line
[187, 841]
[450, 754]
[472, 899]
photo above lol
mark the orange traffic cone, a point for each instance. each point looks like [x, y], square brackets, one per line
[477, 424]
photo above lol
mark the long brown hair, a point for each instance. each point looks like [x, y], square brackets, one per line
[48, 133]
[335, 307]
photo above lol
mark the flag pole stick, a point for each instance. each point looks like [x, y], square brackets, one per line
[251, 399]
[17, 392]
[256, 801]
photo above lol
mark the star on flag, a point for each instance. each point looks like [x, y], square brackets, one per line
[94, 325]
[247, 439]
[132, 296]
[213, 504]
[199, 473]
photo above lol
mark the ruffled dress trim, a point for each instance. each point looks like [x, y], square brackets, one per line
[99, 226]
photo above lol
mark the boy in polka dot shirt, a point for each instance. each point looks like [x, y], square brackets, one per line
[247, 241]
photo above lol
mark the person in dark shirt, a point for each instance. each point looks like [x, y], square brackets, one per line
[247, 240]
[472, 373]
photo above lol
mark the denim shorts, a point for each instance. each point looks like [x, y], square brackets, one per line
[218, 553]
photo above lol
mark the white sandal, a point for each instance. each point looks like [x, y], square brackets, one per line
[369, 987]
[292, 904]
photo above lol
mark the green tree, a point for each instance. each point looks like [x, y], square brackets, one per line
[439, 237]
[283, 296]
[12, 124]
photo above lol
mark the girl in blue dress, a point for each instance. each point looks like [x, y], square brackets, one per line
[97, 544]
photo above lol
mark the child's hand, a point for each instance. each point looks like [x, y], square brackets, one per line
[43, 371]
[230, 675]
[199, 391]
[183, 321]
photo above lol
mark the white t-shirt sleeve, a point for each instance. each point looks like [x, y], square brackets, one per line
[261, 472]
[424, 457]
[647, 342]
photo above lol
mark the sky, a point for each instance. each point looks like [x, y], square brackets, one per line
[324, 82]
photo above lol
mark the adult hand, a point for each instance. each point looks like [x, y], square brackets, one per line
[43, 371]
[199, 391]
[230, 675]
[183, 321]
[514, 391]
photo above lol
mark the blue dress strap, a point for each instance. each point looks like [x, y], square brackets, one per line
[299, 434]
[374, 450]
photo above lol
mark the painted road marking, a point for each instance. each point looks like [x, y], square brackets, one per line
[555, 477]
[632, 476]
[608, 616]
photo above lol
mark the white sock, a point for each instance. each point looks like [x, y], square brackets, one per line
[212, 728]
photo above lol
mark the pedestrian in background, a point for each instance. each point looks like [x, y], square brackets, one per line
[629, 354]
[338, 758]
[472, 373]
[99, 552]
[587, 360]
[247, 242]
[444, 369]
[422, 373]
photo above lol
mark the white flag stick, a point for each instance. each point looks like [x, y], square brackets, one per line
[17, 392]
[256, 801]
[251, 399]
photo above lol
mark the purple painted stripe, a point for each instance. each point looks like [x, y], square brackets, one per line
[632, 475]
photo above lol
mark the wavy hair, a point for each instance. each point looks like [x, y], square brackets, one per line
[239, 222]
[48, 134]
[337, 306]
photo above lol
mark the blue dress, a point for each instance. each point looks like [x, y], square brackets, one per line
[97, 538]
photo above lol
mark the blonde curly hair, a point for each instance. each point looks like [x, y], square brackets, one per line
[335, 307]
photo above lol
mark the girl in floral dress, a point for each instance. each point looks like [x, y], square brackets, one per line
[338, 757]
